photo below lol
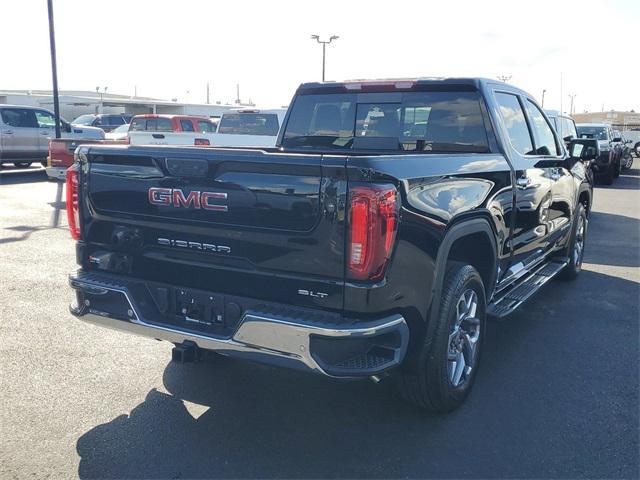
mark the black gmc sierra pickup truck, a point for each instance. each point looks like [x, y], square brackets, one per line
[391, 219]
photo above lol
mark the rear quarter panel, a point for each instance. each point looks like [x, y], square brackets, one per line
[438, 191]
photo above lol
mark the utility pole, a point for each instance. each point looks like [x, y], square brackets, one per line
[324, 48]
[101, 99]
[238, 93]
[504, 78]
[207, 93]
[543, 92]
[54, 68]
[571, 106]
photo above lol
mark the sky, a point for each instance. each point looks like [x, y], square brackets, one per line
[170, 49]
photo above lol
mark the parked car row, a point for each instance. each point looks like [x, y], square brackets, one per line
[609, 163]
[615, 151]
[236, 128]
[242, 127]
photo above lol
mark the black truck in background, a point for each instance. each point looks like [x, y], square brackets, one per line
[390, 221]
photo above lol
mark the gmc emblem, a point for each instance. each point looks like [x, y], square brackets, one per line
[167, 197]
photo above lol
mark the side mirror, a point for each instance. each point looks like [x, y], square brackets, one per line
[568, 138]
[584, 149]
[66, 127]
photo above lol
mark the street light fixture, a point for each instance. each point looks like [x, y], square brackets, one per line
[543, 92]
[324, 46]
[101, 94]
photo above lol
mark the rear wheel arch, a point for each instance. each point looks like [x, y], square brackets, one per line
[457, 237]
[584, 197]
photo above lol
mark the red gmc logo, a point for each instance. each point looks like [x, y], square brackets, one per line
[175, 197]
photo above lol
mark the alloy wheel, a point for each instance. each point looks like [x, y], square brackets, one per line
[578, 244]
[462, 354]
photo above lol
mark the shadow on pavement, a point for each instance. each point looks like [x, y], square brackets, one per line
[25, 232]
[521, 420]
[8, 177]
[613, 240]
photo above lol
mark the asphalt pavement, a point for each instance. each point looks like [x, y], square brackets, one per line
[557, 394]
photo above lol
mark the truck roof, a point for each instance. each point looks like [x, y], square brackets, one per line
[600, 124]
[402, 84]
[170, 116]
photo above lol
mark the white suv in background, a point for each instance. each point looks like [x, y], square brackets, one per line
[25, 133]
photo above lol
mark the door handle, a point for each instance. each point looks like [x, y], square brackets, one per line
[523, 181]
[8, 132]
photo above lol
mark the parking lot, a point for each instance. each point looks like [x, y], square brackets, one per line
[557, 394]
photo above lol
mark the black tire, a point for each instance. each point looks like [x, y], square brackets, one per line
[43, 163]
[21, 164]
[429, 385]
[617, 168]
[578, 234]
[609, 175]
[627, 160]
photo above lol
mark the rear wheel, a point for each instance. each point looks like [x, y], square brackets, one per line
[575, 249]
[628, 160]
[609, 175]
[448, 361]
[22, 164]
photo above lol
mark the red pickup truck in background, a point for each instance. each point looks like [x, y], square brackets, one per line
[171, 123]
[61, 152]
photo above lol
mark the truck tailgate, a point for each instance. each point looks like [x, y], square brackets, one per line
[233, 221]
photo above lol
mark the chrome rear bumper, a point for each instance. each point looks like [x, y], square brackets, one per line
[268, 338]
[57, 173]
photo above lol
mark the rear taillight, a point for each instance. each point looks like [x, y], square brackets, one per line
[73, 206]
[373, 222]
[201, 141]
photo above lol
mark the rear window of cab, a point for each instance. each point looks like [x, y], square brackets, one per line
[142, 124]
[249, 124]
[435, 122]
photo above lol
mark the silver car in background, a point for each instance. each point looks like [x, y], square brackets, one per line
[25, 132]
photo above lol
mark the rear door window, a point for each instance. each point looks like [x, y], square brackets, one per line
[249, 124]
[19, 117]
[114, 120]
[186, 125]
[515, 122]
[568, 128]
[205, 126]
[542, 132]
[138, 125]
[45, 119]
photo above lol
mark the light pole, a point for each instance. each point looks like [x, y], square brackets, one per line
[571, 107]
[324, 47]
[54, 68]
[543, 92]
